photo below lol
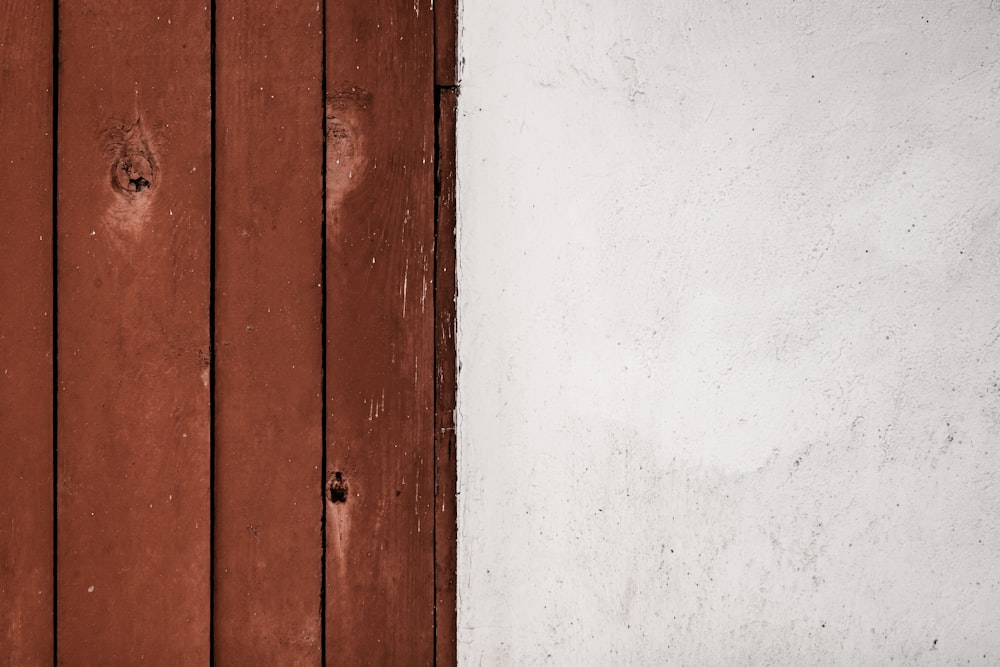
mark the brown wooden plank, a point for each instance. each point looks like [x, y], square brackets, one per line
[269, 364]
[445, 526]
[446, 42]
[26, 513]
[134, 216]
[380, 332]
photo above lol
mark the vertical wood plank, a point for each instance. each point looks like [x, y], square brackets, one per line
[26, 512]
[134, 215]
[446, 42]
[445, 521]
[380, 330]
[269, 364]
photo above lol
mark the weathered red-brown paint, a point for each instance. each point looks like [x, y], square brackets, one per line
[445, 522]
[133, 280]
[26, 334]
[268, 333]
[380, 332]
[446, 43]
[133, 334]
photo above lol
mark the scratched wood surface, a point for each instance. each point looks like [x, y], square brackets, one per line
[134, 216]
[201, 511]
[380, 333]
[26, 333]
[269, 366]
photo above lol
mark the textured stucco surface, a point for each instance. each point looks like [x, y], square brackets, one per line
[729, 332]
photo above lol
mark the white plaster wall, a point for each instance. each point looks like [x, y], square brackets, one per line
[729, 332]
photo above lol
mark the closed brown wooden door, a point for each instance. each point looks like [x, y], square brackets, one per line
[226, 333]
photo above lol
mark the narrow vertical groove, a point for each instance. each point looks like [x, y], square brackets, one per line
[211, 347]
[323, 396]
[55, 331]
[445, 379]
[437, 393]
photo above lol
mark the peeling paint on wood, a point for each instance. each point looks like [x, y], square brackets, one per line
[181, 433]
[380, 553]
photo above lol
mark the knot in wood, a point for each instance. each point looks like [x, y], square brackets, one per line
[133, 173]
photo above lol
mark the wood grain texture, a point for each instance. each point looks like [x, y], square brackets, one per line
[446, 42]
[445, 520]
[380, 330]
[269, 366]
[133, 342]
[26, 512]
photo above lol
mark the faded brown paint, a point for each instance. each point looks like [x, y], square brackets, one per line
[269, 366]
[26, 333]
[445, 521]
[380, 336]
[133, 346]
[446, 43]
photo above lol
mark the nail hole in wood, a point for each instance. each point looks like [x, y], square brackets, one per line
[338, 488]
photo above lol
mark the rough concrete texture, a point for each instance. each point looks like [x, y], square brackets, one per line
[729, 332]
